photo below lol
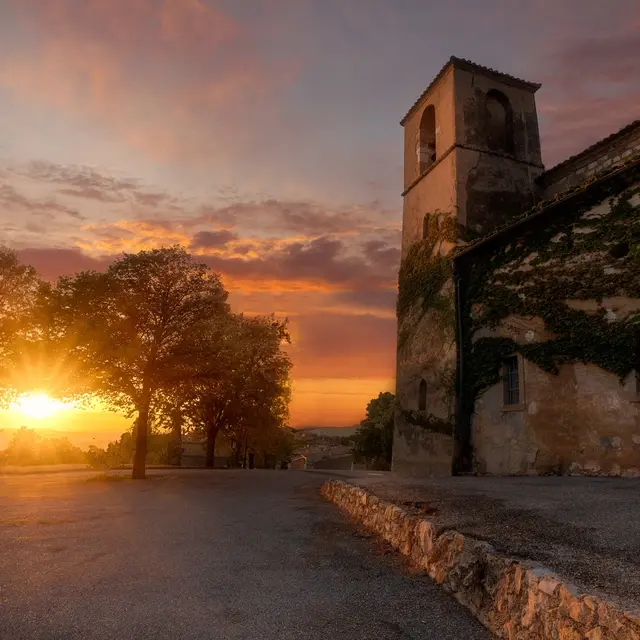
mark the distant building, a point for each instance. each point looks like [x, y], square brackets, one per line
[193, 454]
[298, 462]
[519, 290]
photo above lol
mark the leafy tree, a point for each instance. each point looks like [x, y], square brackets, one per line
[264, 390]
[245, 393]
[19, 287]
[135, 330]
[28, 447]
[373, 440]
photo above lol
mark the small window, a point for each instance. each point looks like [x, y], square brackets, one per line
[422, 396]
[510, 381]
[425, 226]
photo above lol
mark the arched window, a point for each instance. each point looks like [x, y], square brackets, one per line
[426, 147]
[422, 396]
[499, 122]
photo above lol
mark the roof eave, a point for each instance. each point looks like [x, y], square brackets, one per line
[468, 65]
[561, 201]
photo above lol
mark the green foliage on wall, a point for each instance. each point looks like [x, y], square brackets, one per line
[585, 254]
[423, 273]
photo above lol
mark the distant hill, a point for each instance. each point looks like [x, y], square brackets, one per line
[336, 432]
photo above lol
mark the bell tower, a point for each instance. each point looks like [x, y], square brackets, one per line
[471, 156]
[471, 148]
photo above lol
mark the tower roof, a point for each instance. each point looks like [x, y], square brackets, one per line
[467, 65]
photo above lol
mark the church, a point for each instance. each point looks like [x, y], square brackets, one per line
[518, 304]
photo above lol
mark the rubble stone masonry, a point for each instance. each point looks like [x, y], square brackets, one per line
[515, 600]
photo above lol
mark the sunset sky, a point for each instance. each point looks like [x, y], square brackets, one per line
[264, 135]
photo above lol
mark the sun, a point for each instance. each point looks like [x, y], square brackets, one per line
[38, 405]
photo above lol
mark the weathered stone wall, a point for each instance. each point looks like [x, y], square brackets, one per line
[581, 421]
[423, 440]
[425, 336]
[493, 186]
[569, 306]
[471, 89]
[515, 600]
[441, 97]
[610, 152]
[467, 185]
[491, 189]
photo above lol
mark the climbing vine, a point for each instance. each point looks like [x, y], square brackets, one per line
[424, 272]
[583, 253]
[425, 287]
[586, 249]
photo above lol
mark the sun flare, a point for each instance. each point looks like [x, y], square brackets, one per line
[38, 405]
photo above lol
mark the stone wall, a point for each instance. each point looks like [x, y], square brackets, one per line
[610, 152]
[468, 184]
[563, 294]
[514, 600]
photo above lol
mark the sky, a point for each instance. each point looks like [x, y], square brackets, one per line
[263, 135]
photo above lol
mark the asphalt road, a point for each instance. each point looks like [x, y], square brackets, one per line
[204, 555]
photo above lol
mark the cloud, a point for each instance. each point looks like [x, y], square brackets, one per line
[591, 88]
[52, 263]
[336, 345]
[322, 263]
[176, 79]
[381, 253]
[14, 200]
[306, 218]
[81, 177]
[212, 239]
[604, 58]
[91, 193]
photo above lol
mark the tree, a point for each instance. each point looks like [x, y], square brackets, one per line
[27, 447]
[19, 287]
[245, 392]
[135, 330]
[264, 393]
[373, 440]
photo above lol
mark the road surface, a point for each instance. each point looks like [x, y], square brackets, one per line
[204, 555]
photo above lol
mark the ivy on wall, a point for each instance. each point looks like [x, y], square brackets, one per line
[425, 272]
[577, 254]
[585, 254]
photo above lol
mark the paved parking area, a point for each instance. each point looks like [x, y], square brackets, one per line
[203, 555]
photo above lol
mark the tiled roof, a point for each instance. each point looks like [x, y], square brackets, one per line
[461, 63]
[605, 141]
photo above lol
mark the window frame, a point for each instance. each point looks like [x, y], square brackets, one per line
[520, 405]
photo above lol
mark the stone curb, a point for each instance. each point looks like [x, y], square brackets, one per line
[513, 600]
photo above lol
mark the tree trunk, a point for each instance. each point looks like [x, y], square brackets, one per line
[212, 434]
[142, 429]
[175, 448]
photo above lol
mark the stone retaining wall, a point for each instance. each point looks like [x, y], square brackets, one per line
[515, 601]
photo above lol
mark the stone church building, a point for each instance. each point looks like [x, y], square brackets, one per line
[518, 292]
